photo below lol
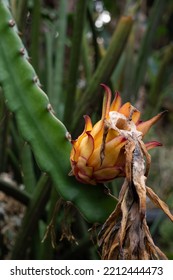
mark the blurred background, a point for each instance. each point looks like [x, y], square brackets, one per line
[68, 43]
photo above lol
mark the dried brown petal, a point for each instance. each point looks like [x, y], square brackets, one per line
[159, 203]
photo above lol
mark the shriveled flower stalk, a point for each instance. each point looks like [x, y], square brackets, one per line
[125, 234]
[114, 147]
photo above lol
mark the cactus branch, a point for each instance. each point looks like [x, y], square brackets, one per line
[39, 127]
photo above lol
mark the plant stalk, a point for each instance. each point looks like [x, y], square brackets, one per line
[146, 45]
[75, 59]
[104, 69]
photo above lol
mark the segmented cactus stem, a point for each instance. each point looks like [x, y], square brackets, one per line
[38, 124]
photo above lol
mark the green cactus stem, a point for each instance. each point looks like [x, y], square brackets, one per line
[46, 135]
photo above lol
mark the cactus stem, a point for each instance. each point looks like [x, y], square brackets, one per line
[29, 104]
[11, 23]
